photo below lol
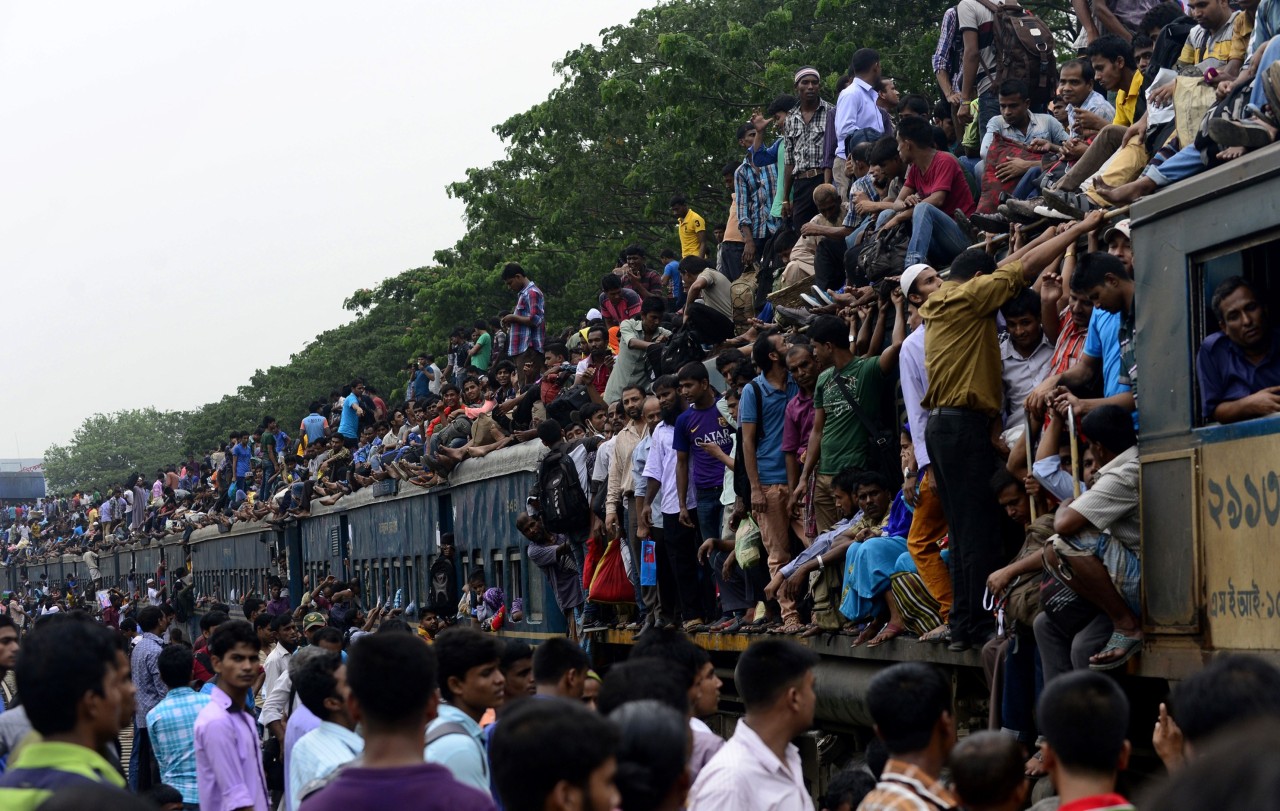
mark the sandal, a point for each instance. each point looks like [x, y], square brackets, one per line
[692, 626]
[790, 629]
[939, 635]
[1127, 646]
[889, 631]
[812, 631]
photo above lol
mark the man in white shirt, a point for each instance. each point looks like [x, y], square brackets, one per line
[759, 768]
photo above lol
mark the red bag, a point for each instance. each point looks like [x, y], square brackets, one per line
[1001, 150]
[590, 561]
[609, 582]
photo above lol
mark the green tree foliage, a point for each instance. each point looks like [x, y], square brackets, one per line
[107, 448]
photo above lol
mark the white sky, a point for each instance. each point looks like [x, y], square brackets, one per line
[176, 175]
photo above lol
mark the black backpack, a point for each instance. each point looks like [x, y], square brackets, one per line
[666, 358]
[571, 399]
[1024, 50]
[562, 504]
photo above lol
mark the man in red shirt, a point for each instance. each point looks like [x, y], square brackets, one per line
[1083, 717]
[934, 190]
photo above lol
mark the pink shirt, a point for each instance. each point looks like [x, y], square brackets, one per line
[797, 423]
[228, 758]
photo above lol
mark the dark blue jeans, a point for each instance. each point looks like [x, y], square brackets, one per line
[1023, 681]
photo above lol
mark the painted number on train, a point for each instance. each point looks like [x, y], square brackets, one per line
[1249, 503]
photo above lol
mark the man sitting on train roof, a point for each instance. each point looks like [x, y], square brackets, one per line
[1238, 367]
[1096, 550]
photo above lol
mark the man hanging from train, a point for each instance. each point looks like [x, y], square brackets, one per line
[1238, 367]
[1096, 550]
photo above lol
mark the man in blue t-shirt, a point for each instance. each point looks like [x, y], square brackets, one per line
[349, 425]
[763, 458]
[313, 425]
[671, 275]
[242, 457]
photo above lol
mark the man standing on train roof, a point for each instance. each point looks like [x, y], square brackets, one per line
[962, 361]
[1238, 367]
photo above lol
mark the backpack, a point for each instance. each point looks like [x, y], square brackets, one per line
[562, 503]
[1024, 50]
[666, 358]
[885, 253]
[570, 399]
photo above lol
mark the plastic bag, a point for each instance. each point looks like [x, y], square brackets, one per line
[648, 562]
[609, 582]
[747, 544]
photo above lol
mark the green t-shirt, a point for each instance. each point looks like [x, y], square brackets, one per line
[845, 442]
[480, 359]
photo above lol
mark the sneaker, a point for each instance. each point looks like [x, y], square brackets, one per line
[594, 626]
[1023, 211]
[809, 300]
[1050, 214]
[991, 223]
[1074, 204]
[966, 226]
[822, 294]
[1248, 134]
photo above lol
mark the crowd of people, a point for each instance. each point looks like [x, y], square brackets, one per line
[723, 453]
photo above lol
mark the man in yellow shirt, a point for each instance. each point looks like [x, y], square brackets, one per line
[691, 228]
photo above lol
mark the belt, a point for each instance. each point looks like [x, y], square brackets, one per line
[807, 173]
[947, 411]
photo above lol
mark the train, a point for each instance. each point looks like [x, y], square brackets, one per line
[1210, 502]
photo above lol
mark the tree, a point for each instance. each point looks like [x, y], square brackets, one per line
[107, 448]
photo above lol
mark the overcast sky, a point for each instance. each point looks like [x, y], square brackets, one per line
[188, 191]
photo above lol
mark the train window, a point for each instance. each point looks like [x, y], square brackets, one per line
[1257, 260]
[535, 604]
[497, 575]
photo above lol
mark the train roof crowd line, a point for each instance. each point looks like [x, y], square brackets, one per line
[723, 456]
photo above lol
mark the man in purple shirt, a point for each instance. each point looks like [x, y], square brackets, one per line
[228, 754]
[702, 442]
[385, 674]
[1239, 367]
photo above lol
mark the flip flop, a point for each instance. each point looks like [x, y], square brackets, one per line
[937, 636]
[1128, 646]
[867, 634]
[1271, 90]
[888, 632]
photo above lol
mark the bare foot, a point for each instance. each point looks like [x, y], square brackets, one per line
[1231, 153]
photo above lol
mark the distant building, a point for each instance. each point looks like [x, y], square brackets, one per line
[21, 480]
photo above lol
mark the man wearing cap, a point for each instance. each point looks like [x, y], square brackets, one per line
[920, 486]
[965, 394]
[805, 136]
[311, 623]
[617, 302]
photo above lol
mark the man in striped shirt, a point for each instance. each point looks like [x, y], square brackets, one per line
[172, 723]
[321, 682]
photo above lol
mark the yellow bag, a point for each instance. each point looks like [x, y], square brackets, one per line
[1192, 99]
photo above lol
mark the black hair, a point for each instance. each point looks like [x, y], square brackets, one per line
[1111, 426]
[460, 649]
[640, 679]
[161, 794]
[1001, 479]
[550, 432]
[767, 669]
[1239, 771]
[556, 657]
[693, 370]
[514, 650]
[914, 103]
[1140, 41]
[918, 131]
[1229, 690]
[849, 785]
[394, 625]
[251, 604]
[861, 152]
[327, 634]
[150, 618]
[1158, 16]
[846, 481]
[906, 701]
[6, 621]
[1113, 48]
[987, 768]
[675, 649]
[693, 265]
[600, 328]
[557, 349]
[781, 104]
[230, 634]
[972, 262]
[731, 168]
[390, 676]
[511, 270]
[787, 238]
[864, 59]
[541, 743]
[653, 304]
[176, 664]
[315, 680]
[610, 281]
[877, 757]
[664, 382]
[1228, 286]
[64, 657]
[883, 151]
[678, 200]
[872, 478]
[1015, 87]
[828, 329]
[281, 621]
[652, 753]
[79, 796]
[1085, 66]
[761, 351]
[1083, 715]
[213, 619]
[1025, 303]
